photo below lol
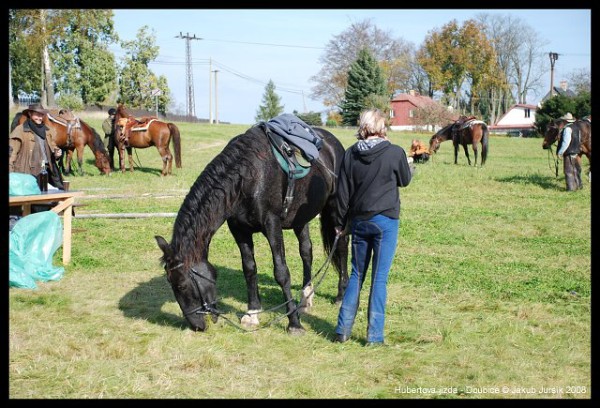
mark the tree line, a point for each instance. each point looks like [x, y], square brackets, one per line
[479, 68]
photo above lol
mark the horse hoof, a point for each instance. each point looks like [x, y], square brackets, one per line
[250, 319]
[296, 331]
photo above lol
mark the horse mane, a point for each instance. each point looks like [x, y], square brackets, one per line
[215, 194]
[97, 142]
[445, 129]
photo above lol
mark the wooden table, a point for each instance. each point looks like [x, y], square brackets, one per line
[65, 201]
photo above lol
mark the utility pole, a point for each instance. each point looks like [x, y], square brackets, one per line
[553, 57]
[210, 120]
[303, 101]
[189, 82]
[216, 98]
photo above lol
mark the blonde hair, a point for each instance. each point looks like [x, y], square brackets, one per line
[371, 123]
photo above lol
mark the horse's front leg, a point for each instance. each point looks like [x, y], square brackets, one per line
[305, 250]
[456, 153]
[67, 163]
[245, 244]
[274, 235]
[121, 150]
[466, 149]
[130, 157]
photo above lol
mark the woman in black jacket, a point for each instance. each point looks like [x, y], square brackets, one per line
[369, 207]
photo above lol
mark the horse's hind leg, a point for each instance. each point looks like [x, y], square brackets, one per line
[167, 160]
[246, 247]
[305, 249]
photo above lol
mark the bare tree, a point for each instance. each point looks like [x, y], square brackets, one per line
[519, 52]
[580, 81]
[341, 51]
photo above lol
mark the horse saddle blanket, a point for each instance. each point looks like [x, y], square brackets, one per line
[472, 122]
[289, 157]
[142, 127]
[295, 131]
[68, 120]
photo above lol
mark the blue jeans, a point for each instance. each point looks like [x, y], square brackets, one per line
[374, 238]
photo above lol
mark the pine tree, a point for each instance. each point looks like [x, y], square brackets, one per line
[365, 82]
[271, 104]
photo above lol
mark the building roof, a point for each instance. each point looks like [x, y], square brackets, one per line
[416, 99]
[559, 90]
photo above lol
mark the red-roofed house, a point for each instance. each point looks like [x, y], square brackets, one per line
[402, 110]
[518, 120]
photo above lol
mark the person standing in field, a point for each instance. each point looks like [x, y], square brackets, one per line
[568, 147]
[108, 127]
[32, 143]
[371, 173]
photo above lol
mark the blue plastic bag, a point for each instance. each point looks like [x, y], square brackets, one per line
[32, 243]
[22, 184]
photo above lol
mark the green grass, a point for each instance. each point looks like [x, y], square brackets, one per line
[490, 288]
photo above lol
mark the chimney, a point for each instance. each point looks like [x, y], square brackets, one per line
[564, 85]
[411, 92]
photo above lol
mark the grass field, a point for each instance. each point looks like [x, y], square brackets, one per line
[489, 295]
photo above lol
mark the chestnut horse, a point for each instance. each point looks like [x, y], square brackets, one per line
[145, 132]
[72, 134]
[584, 126]
[465, 131]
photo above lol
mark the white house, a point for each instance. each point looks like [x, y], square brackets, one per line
[518, 120]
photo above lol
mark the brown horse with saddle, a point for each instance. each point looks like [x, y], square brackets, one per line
[463, 132]
[145, 132]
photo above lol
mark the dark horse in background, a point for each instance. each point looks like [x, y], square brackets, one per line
[584, 126]
[465, 131]
[148, 131]
[72, 134]
[245, 186]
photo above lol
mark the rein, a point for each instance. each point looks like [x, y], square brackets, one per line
[209, 309]
[554, 159]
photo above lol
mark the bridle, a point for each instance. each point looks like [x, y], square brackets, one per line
[550, 152]
[206, 308]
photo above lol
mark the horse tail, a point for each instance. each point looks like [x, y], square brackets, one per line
[328, 236]
[484, 144]
[15, 121]
[176, 143]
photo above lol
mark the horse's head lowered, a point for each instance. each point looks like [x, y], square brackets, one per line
[434, 143]
[194, 286]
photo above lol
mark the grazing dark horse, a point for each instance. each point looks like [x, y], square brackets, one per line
[245, 186]
[584, 126]
[148, 131]
[72, 134]
[469, 132]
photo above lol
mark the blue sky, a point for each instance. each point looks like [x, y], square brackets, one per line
[249, 47]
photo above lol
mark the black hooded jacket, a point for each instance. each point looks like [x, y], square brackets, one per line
[368, 182]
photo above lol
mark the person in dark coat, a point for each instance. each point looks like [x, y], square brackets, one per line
[108, 127]
[371, 173]
[31, 144]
